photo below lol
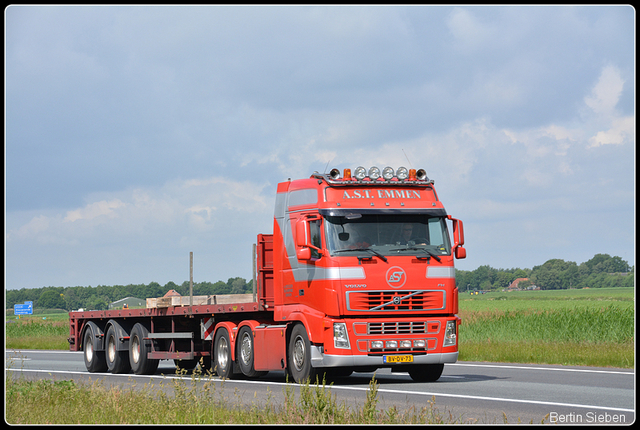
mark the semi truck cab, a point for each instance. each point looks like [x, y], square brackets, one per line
[366, 264]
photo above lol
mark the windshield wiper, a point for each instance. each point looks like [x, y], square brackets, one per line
[376, 253]
[415, 248]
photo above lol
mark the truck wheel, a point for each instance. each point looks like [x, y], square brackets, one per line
[426, 372]
[223, 363]
[94, 360]
[246, 353]
[117, 361]
[139, 347]
[299, 356]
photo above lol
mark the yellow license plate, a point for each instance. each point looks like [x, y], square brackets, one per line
[397, 358]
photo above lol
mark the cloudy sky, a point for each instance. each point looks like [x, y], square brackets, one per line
[135, 135]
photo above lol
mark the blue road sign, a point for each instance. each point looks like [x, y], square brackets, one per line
[25, 309]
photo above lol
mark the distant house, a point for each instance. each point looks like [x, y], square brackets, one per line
[514, 284]
[172, 293]
[128, 302]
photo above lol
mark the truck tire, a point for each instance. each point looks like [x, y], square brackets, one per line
[299, 356]
[223, 364]
[246, 353]
[117, 361]
[426, 372]
[139, 347]
[94, 360]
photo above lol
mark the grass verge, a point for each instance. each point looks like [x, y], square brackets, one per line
[199, 400]
[564, 353]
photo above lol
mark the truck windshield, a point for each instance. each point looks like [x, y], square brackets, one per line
[414, 234]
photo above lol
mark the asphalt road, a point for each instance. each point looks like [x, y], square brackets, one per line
[483, 393]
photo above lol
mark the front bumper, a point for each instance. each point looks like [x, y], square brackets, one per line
[320, 359]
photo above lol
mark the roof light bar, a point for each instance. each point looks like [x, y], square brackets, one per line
[374, 176]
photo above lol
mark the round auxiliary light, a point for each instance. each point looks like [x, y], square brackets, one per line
[402, 173]
[387, 173]
[334, 174]
[360, 173]
[374, 173]
[421, 175]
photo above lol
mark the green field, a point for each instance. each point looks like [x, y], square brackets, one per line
[590, 327]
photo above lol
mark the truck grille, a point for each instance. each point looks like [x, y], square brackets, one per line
[417, 327]
[396, 301]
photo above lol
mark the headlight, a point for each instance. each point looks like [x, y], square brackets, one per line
[340, 336]
[374, 173]
[387, 173]
[360, 173]
[402, 173]
[450, 334]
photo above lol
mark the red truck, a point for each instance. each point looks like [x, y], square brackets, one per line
[358, 274]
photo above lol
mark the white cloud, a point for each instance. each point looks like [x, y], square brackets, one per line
[622, 130]
[612, 127]
[94, 210]
[606, 93]
[205, 202]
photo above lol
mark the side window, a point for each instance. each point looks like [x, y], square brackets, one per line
[314, 226]
[437, 234]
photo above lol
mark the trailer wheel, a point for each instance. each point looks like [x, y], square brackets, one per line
[94, 360]
[299, 356]
[246, 353]
[117, 361]
[139, 347]
[223, 364]
[426, 372]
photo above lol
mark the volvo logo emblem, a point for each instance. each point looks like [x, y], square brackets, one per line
[396, 277]
[396, 300]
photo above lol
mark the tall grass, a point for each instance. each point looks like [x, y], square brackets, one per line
[37, 334]
[577, 327]
[591, 325]
[196, 401]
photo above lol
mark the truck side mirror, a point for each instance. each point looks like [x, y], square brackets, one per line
[303, 254]
[303, 240]
[302, 233]
[458, 238]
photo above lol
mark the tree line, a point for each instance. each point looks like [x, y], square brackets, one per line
[602, 271]
[98, 298]
[599, 272]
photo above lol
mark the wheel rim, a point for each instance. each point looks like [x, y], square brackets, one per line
[135, 349]
[299, 353]
[245, 349]
[222, 353]
[88, 350]
[112, 349]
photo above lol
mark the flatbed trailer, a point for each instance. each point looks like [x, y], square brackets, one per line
[339, 286]
[182, 333]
